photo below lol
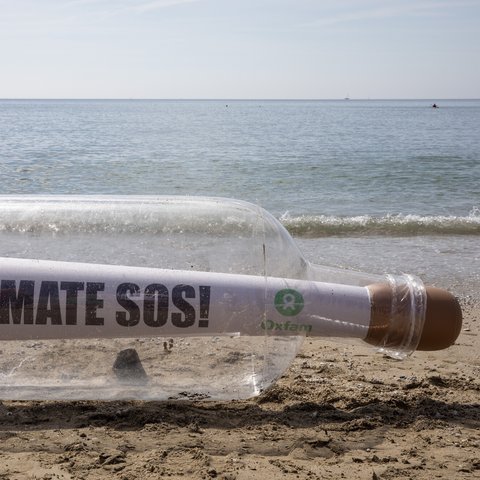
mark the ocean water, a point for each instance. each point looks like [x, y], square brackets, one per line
[377, 186]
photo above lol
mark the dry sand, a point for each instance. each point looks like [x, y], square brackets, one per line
[339, 412]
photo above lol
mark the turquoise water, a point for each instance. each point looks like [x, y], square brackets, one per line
[380, 186]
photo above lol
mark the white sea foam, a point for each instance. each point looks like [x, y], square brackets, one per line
[390, 225]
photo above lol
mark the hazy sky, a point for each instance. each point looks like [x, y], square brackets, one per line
[239, 48]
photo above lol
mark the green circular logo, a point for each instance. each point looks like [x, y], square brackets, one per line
[289, 302]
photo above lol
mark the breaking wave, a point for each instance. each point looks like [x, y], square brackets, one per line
[314, 226]
[141, 218]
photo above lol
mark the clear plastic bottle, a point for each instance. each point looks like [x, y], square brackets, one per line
[144, 297]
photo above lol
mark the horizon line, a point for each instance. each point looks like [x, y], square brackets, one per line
[238, 99]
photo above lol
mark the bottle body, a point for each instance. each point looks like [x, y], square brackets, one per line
[126, 297]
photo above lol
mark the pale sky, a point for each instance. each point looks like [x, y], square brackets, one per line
[240, 49]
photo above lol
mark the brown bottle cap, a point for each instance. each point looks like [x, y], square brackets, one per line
[443, 319]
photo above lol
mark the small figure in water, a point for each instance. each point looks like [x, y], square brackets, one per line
[434, 105]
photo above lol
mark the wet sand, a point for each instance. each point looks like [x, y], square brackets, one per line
[340, 411]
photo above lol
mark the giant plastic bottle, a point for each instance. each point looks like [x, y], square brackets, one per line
[142, 297]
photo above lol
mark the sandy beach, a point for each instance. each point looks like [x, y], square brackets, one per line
[340, 411]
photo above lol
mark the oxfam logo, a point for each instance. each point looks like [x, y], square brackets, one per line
[289, 302]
